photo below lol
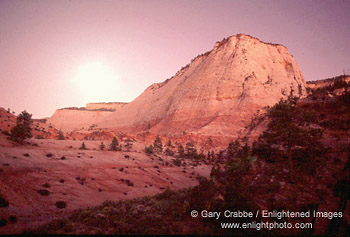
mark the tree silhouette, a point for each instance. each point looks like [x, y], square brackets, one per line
[158, 145]
[83, 147]
[114, 145]
[191, 150]
[60, 135]
[128, 144]
[22, 130]
[149, 149]
[102, 146]
[181, 150]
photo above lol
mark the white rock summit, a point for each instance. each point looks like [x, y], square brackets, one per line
[216, 94]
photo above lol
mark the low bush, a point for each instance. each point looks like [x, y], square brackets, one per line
[6, 133]
[3, 222]
[61, 204]
[44, 192]
[3, 201]
[129, 183]
[46, 185]
[177, 162]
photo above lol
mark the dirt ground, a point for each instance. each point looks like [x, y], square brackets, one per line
[80, 178]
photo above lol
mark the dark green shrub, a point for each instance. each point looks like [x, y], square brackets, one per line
[149, 150]
[6, 133]
[44, 192]
[3, 222]
[3, 201]
[177, 162]
[61, 204]
[46, 185]
[129, 183]
[13, 218]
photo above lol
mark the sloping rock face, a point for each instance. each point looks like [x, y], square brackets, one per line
[216, 94]
[68, 120]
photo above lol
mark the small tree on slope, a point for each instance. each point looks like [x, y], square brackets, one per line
[22, 130]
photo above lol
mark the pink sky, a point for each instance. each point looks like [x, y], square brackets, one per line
[44, 43]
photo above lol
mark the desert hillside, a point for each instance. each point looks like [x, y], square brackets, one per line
[299, 163]
[34, 178]
[40, 129]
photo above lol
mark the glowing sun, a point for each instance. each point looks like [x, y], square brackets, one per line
[96, 81]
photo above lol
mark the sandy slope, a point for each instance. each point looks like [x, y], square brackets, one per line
[89, 178]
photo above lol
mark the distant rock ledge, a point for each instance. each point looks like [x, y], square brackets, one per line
[102, 106]
[339, 82]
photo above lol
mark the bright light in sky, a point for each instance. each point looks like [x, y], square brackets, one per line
[96, 81]
[57, 54]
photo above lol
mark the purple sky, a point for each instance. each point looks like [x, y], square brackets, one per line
[44, 44]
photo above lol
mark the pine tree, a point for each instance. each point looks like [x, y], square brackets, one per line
[60, 135]
[169, 144]
[180, 150]
[102, 146]
[128, 144]
[230, 178]
[158, 145]
[191, 150]
[169, 152]
[22, 130]
[83, 147]
[114, 145]
[149, 150]
[288, 138]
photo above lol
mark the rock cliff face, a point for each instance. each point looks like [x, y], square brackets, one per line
[106, 106]
[216, 94]
[68, 120]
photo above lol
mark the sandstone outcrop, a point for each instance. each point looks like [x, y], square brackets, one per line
[215, 95]
[70, 119]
